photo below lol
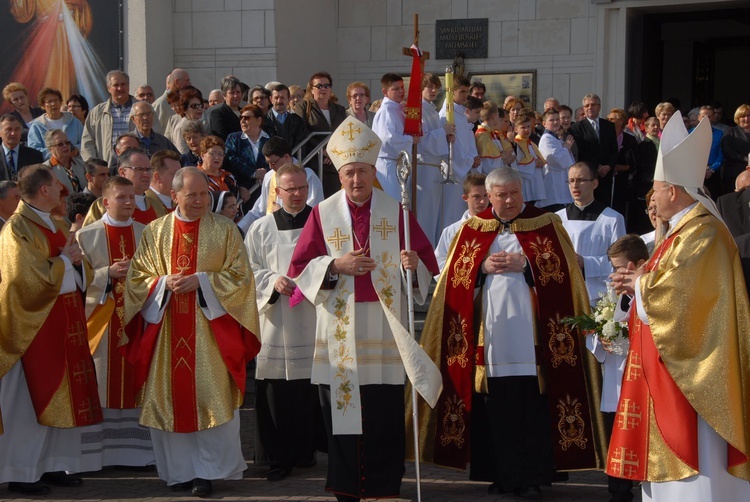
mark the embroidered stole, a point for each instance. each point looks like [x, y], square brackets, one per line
[120, 374]
[183, 311]
[58, 361]
[386, 279]
[271, 194]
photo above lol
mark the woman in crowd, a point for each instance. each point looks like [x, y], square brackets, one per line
[212, 158]
[191, 108]
[79, 107]
[513, 106]
[244, 150]
[321, 115]
[18, 97]
[193, 133]
[638, 114]
[358, 95]
[736, 148]
[663, 112]
[566, 119]
[53, 118]
[69, 169]
[296, 94]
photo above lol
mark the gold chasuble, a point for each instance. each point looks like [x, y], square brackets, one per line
[454, 333]
[39, 327]
[685, 364]
[190, 371]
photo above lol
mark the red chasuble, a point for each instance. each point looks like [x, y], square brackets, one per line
[649, 397]
[58, 360]
[146, 216]
[120, 374]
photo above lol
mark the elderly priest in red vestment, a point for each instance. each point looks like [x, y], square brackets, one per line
[47, 377]
[190, 279]
[350, 261]
[520, 391]
[683, 420]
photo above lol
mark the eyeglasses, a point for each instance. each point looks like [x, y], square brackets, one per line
[578, 181]
[62, 144]
[216, 155]
[322, 86]
[143, 115]
[651, 209]
[295, 190]
[195, 106]
[247, 117]
[272, 163]
[358, 96]
[139, 170]
[51, 102]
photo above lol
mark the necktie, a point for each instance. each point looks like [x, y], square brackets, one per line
[11, 163]
[595, 125]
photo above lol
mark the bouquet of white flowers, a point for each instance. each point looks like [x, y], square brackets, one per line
[612, 334]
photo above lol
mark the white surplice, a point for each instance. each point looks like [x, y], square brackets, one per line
[464, 153]
[388, 124]
[432, 148]
[559, 159]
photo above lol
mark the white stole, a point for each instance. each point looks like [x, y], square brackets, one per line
[386, 279]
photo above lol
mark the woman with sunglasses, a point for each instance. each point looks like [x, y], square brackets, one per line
[244, 151]
[190, 107]
[69, 169]
[321, 114]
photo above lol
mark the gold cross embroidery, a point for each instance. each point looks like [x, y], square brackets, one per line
[122, 249]
[384, 228]
[351, 130]
[624, 462]
[337, 239]
[628, 416]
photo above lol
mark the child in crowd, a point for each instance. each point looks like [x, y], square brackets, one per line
[493, 147]
[529, 159]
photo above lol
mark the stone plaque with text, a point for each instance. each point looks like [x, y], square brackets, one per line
[468, 36]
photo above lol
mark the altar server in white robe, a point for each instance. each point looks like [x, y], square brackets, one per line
[285, 399]
[592, 227]
[350, 262]
[433, 149]
[559, 159]
[388, 125]
[109, 244]
[278, 153]
[465, 156]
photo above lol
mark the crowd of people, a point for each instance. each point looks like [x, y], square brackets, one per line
[153, 247]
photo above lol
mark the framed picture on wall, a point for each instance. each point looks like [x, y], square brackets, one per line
[499, 85]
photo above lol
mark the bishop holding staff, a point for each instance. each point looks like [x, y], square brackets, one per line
[191, 281]
[349, 261]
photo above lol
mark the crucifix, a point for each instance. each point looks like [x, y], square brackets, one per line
[406, 51]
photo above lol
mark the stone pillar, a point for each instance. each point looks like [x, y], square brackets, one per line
[149, 54]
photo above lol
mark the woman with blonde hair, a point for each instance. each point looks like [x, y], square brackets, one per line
[736, 147]
[17, 96]
[663, 112]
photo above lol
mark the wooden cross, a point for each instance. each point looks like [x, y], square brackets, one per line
[337, 239]
[384, 228]
[406, 51]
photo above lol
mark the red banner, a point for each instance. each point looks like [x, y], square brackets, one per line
[413, 111]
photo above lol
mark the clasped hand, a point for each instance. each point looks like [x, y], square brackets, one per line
[624, 279]
[180, 284]
[497, 263]
[355, 263]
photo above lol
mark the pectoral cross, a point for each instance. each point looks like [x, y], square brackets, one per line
[337, 239]
[384, 228]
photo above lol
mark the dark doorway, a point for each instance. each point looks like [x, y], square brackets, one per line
[696, 54]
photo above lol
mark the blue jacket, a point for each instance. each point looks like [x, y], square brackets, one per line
[240, 161]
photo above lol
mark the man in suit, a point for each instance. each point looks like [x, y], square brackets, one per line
[15, 156]
[735, 209]
[597, 144]
[280, 122]
[10, 196]
[223, 118]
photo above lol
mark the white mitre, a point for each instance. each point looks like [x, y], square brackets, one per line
[683, 158]
[353, 141]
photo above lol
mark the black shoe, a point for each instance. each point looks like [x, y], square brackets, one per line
[312, 462]
[531, 492]
[496, 488]
[181, 487]
[59, 478]
[202, 487]
[37, 488]
[278, 474]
